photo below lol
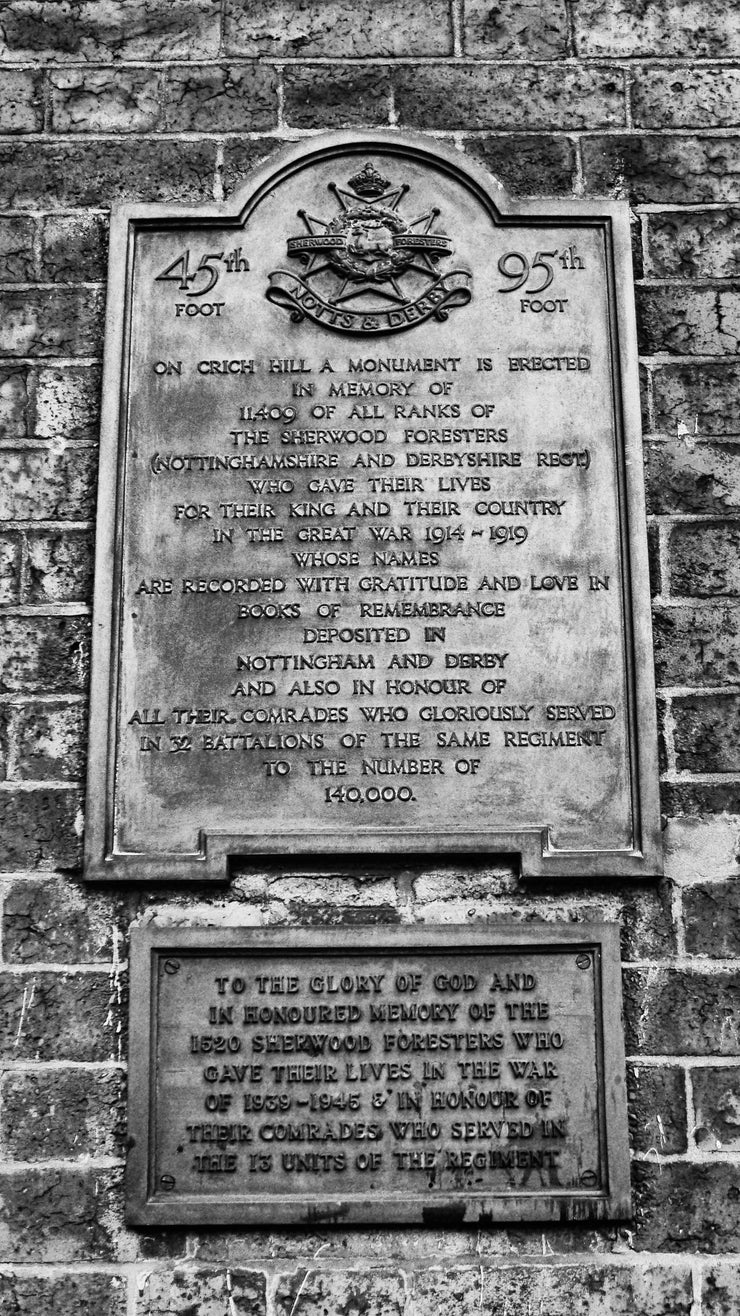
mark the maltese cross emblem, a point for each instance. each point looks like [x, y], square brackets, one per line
[369, 270]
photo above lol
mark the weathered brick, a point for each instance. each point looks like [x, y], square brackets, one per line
[682, 475]
[716, 1094]
[5, 722]
[219, 1293]
[686, 98]
[319, 97]
[694, 244]
[53, 921]
[516, 29]
[242, 156]
[688, 322]
[74, 248]
[60, 567]
[470, 96]
[40, 827]
[697, 646]
[704, 559]
[60, 1016]
[686, 1208]
[654, 27]
[21, 109]
[112, 100]
[50, 743]
[44, 655]
[654, 567]
[16, 249]
[230, 98]
[656, 168]
[681, 1012]
[108, 29]
[707, 733]
[40, 484]
[67, 402]
[58, 1216]
[720, 1293]
[702, 399]
[588, 1290]
[51, 322]
[89, 1294]
[100, 173]
[531, 166]
[712, 919]
[10, 568]
[657, 1108]
[63, 1113]
[13, 403]
[340, 1293]
[307, 28]
[697, 799]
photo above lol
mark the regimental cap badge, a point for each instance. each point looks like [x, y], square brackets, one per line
[368, 269]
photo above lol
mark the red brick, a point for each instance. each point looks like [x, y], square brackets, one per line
[10, 568]
[516, 29]
[707, 733]
[184, 1292]
[697, 646]
[520, 97]
[711, 913]
[686, 1208]
[657, 1108]
[340, 1293]
[40, 827]
[720, 1294]
[705, 398]
[39, 484]
[681, 1012]
[53, 921]
[51, 322]
[318, 97]
[112, 100]
[58, 1216]
[63, 1113]
[98, 174]
[656, 168]
[307, 28]
[21, 109]
[44, 655]
[108, 29]
[716, 1106]
[694, 245]
[67, 402]
[688, 322]
[530, 166]
[587, 1290]
[655, 27]
[50, 742]
[704, 560]
[231, 98]
[60, 1016]
[686, 98]
[88, 1294]
[74, 248]
[16, 249]
[60, 567]
[683, 475]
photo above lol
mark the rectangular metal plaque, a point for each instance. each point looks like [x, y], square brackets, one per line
[438, 1076]
[371, 568]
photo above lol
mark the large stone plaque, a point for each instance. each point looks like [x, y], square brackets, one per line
[438, 1076]
[371, 566]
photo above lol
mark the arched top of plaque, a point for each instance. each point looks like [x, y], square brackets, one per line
[371, 563]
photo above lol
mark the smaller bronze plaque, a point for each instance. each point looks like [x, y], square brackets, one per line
[387, 1075]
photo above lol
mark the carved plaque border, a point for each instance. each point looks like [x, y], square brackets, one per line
[158, 955]
[105, 857]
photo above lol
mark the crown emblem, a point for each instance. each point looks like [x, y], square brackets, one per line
[369, 269]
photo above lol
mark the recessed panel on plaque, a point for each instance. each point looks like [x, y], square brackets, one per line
[372, 567]
[435, 1076]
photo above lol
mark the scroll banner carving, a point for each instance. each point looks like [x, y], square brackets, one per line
[371, 570]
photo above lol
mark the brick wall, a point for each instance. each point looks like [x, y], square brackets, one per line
[105, 100]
